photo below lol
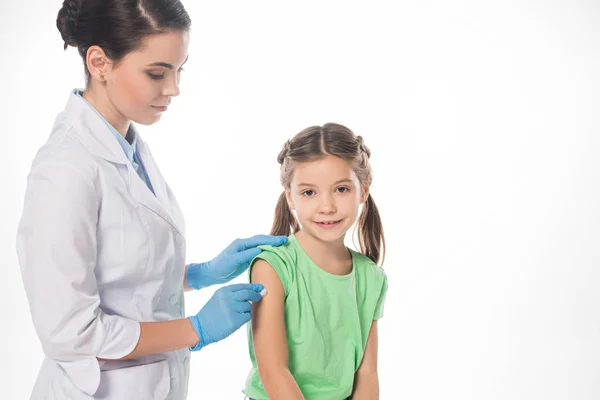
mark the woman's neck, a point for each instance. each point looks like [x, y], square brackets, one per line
[104, 106]
[333, 257]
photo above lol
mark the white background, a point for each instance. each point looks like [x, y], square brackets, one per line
[482, 118]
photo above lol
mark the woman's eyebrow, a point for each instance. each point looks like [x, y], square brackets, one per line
[164, 64]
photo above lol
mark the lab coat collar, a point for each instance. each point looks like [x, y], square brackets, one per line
[93, 131]
[99, 140]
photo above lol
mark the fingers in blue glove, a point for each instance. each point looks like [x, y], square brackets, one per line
[246, 256]
[243, 307]
[242, 260]
[255, 287]
[246, 295]
[231, 262]
[226, 311]
[258, 240]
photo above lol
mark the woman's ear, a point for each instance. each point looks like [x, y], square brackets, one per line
[288, 196]
[97, 63]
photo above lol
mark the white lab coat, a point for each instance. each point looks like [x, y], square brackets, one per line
[99, 252]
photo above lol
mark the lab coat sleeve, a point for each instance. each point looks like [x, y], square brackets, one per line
[57, 247]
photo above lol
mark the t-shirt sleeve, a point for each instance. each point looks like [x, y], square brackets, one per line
[381, 302]
[276, 260]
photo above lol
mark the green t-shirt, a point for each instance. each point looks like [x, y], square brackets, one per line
[327, 320]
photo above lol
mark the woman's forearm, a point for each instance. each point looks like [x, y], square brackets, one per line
[186, 288]
[161, 337]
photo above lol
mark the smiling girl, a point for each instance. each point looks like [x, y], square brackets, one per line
[315, 335]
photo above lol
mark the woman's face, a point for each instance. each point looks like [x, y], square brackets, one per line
[141, 85]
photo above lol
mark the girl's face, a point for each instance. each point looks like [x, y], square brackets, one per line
[141, 85]
[326, 196]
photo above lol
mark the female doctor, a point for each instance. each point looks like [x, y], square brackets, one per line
[101, 242]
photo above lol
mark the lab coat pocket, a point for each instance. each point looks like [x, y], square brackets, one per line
[148, 381]
[55, 383]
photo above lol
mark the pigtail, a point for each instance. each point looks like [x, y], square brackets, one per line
[284, 221]
[370, 232]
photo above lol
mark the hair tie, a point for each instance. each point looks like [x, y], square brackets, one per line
[361, 145]
[283, 153]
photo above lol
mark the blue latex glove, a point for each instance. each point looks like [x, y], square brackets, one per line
[232, 261]
[226, 311]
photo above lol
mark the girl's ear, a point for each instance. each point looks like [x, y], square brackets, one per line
[288, 196]
[364, 195]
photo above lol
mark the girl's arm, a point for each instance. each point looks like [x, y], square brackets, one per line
[366, 381]
[269, 337]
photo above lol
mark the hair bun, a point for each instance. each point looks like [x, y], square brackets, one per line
[67, 21]
[362, 146]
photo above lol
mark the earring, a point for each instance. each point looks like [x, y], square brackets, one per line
[101, 77]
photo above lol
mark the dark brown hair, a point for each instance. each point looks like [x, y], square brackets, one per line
[117, 26]
[315, 143]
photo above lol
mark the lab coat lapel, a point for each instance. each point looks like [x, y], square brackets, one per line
[158, 202]
[99, 140]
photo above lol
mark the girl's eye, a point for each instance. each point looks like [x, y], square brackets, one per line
[156, 77]
[308, 193]
[343, 189]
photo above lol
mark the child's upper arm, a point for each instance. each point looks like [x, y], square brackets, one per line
[369, 361]
[268, 324]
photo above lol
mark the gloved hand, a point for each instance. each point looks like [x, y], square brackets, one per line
[232, 261]
[226, 311]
